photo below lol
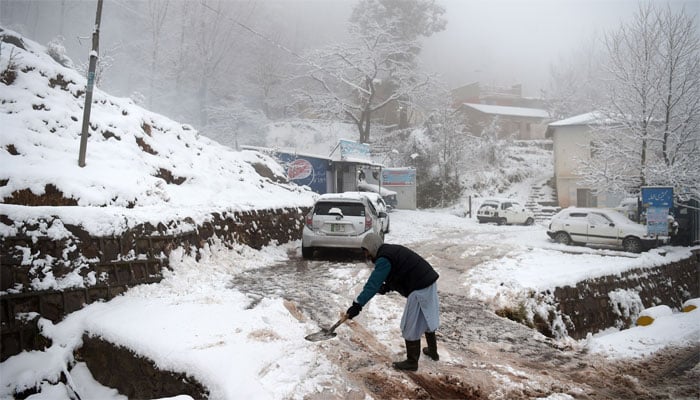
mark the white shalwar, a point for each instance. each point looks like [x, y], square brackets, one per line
[421, 314]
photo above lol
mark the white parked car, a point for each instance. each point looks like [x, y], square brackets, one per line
[380, 205]
[389, 196]
[504, 212]
[340, 220]
[599, 226]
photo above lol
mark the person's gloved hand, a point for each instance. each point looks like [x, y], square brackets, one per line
[384, 289]
[354, 310]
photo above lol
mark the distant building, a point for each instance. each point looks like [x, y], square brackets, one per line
[470, 93]
[495, 95]
[572, 140]
[523, 123]
[347, 168]
[516, 115]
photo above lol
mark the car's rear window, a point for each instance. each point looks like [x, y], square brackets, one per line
[349, 209]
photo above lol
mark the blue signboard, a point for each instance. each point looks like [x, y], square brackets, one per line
[353, 151]
[305, 170]
[657, 201]
[399, 176]
[657, 197]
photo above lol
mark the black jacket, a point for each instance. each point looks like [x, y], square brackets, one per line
[409, 271]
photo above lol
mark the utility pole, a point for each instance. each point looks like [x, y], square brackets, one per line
[94, 54]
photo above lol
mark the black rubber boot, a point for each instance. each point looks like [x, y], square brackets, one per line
[431, 350]
[412, 356]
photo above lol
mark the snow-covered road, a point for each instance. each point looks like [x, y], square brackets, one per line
[236, 320]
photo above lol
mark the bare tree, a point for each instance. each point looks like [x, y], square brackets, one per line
[649, 133]
[406, 20]
[157, 13]
[233, 123]
[575, 83]
[679, 91]
[269, 74]
[413, 18]
[356, 80]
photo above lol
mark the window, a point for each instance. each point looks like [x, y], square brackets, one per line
[372, 209]
[586, 198]
[598, 219]
[348, 209]
[488, 205]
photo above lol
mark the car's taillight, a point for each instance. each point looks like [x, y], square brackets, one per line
[310, 219]
[368, 222]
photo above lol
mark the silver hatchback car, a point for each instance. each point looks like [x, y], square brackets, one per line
[340, 220]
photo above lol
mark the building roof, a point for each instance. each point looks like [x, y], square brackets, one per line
[594, 117]
[509, 111]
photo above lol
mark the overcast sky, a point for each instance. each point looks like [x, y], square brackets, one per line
[497, 42]
[505, 42]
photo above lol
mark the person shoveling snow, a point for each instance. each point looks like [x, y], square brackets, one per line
[397, 268]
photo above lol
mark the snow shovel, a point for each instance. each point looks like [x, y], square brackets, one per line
[326, 333]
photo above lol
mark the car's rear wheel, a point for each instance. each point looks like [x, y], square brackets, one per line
[307, 252]
[562, 237]
[529, 221]
[632, 244]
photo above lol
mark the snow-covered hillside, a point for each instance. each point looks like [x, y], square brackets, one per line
[135, 158]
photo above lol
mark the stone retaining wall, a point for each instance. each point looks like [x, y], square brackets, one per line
[135, 257]
[136, 377]
[588, 307]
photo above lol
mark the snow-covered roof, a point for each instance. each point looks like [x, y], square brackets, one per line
[510, 111]
[581, 119]
[285, 150]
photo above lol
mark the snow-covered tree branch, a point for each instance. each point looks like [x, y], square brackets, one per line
[650, 131]
[360, 78]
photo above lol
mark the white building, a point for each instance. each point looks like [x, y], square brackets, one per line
[571, 140]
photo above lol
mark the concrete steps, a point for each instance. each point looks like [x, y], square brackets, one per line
[542, 200]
